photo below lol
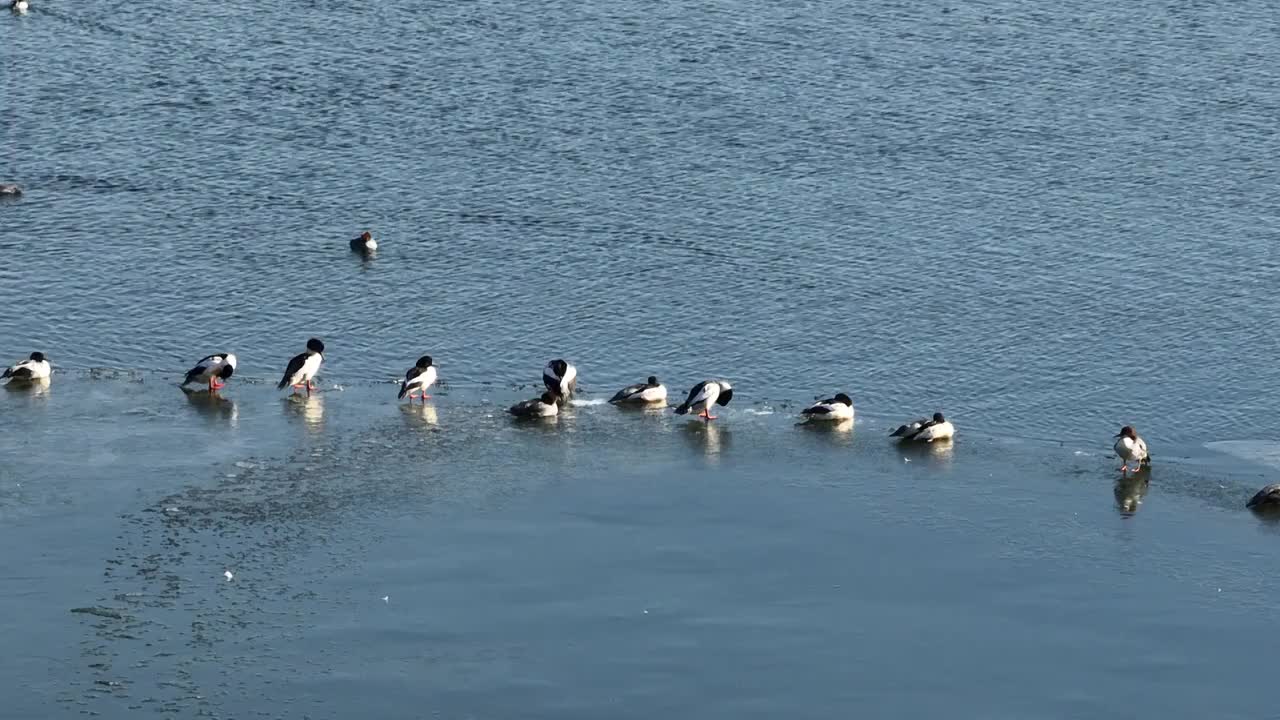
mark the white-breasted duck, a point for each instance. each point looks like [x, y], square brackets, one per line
[419, 377]
[303, 367]
[545, 406]
[839, 407]
[365, 244]
[703, 396]
[648, 392]
[561, 379]
[935, 428]
[35, 367]
[214, 370]
[1131, 449]
[19, 6]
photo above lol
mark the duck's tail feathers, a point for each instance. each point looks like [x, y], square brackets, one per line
[284, 383]
[1146, 461]
[683, 409]
[404, 390]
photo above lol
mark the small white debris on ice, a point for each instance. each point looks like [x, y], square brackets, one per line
[228, 575]
[386, 598]
[171, 509]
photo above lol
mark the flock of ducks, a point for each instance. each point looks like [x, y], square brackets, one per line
[561, 380]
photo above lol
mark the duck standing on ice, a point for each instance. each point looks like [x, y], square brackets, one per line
[1131, 449]
[703, 396]
[303, 367]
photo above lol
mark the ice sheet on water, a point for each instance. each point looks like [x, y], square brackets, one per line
[1264, 452]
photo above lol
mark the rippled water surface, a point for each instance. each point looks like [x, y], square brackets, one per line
[1045, 221]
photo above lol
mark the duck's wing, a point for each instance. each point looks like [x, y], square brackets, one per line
[910, 430]
[292, 370]
[409, 377]
[696, 395]
[526, 408]
[202, 366]
[822, 407]
[24, 370]
[628, 392]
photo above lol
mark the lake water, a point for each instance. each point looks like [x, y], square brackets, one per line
[1045, 221]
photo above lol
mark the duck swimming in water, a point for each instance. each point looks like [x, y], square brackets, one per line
[839, 407]
[35, 367]
[545, 406]
[650, 391]
[213, 369]
[703, 396]
[19, 6]
[935, 428]
[365, 244]
[1266, 500]
[303, 367]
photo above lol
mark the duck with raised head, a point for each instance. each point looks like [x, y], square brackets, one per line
[1131, 449]
[419, 377]
[646, 393]
[303, 367]
[365, 244]
[545, 406]
[839, 407]
[933, 429]
[704, 396]
[561, 379]
[35, 367]
[213, 369]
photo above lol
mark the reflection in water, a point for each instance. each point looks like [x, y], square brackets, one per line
[939, 450]
[657, 408]
[840, 431]
[707, 438]
[420, 416]
[35, 388]
[1130, 490]
[213, 406]
[310, 409]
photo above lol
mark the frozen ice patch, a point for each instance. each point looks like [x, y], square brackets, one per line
[1263, 452]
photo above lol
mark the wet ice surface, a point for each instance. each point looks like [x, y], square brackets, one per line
[388, 559]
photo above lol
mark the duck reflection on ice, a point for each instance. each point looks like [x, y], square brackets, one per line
[309, 408]
[212, 405]
[838, 431]
[707, 438]
[936, 451]
[420, 416]
[1131, 489]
